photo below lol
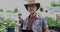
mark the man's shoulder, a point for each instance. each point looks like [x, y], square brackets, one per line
[40, 16]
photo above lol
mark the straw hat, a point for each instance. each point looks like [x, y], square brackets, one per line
[32, 2]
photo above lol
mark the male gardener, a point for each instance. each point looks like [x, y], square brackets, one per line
[34, 22]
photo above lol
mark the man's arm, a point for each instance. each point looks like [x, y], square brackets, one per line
[45, 25]
[46, 29]
[17, 24]
[20, 24]
[34, 31]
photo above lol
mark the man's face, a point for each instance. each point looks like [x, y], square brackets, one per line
[19, 17]
[32, 8]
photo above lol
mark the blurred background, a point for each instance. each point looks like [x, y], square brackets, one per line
[9, 10]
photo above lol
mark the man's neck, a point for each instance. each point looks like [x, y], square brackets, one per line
[33, 14]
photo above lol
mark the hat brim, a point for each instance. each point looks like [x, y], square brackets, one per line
[37, 4]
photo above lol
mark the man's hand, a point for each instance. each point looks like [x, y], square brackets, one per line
[46, 29]
[34, 31]
[18, 24]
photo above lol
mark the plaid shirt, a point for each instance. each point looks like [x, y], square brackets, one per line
[39, 21]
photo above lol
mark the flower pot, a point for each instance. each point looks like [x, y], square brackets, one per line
[57, 29]
[54, 28]
[10, 30]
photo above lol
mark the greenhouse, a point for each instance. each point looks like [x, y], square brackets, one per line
[9, 10]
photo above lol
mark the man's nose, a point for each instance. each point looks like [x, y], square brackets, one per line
[31, 7]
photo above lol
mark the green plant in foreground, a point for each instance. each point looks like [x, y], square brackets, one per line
[51, 21]
[2, 28]
[9, 23]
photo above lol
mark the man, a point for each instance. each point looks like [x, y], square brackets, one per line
[20, 19]
[20, 24]
[34, 22]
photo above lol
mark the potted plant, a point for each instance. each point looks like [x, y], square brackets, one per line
[52, 23]
[58, 24]
[2, 26]
[10, 26]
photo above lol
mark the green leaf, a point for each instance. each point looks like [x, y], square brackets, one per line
[53, 3]
[51, 21]
[9, 23]
[1, 10]
[16, 10]
[2, 18]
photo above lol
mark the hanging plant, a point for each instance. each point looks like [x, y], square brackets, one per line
[9, 11]
[1, 10]
[53, 3]
[16, 10]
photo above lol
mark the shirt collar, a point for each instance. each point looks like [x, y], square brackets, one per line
[36, 17]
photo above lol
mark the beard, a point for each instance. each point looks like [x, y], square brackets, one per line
[32, 12]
